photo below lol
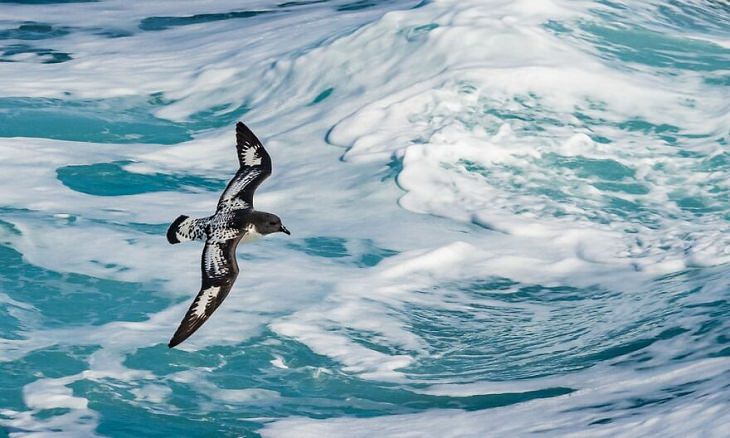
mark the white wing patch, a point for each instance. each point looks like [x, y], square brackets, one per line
[215, 261]
[251, 157]
[206, 297]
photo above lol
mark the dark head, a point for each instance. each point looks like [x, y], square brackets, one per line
[267, 223]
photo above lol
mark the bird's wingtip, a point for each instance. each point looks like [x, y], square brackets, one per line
[179, 337]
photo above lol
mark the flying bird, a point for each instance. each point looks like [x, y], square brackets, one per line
[235, 220]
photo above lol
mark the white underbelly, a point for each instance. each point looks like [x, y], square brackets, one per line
[250, 235]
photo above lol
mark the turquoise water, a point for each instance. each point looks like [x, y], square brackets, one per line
[508, 218]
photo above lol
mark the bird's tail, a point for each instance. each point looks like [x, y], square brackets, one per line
[184, 228]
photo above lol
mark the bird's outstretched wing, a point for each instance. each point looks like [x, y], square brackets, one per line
[255, 167]
[220, 270]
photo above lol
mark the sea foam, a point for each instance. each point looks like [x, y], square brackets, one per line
[508, 217]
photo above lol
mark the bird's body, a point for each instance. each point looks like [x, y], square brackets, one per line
[234, 221]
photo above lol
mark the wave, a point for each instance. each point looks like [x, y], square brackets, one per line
[508, 217]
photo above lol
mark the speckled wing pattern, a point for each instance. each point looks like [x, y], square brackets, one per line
[255, 167]
[219, 269]
[219, 266]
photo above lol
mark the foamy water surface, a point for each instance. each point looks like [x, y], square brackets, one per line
[508, 217]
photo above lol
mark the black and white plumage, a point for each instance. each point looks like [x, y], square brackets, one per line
[234, 220]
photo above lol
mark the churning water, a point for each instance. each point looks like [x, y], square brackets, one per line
[508, 217]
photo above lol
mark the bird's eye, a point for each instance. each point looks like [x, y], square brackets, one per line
[272, 223]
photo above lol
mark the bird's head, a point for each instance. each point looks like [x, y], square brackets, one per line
[267, 223]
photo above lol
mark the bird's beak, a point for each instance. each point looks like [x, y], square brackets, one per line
[284, 230]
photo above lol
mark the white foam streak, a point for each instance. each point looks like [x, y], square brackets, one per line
[498, 124]
[561, 416]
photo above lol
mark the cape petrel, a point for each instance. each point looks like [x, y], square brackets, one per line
[234, 220]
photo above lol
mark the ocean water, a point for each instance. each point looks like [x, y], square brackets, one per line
[509, 218]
